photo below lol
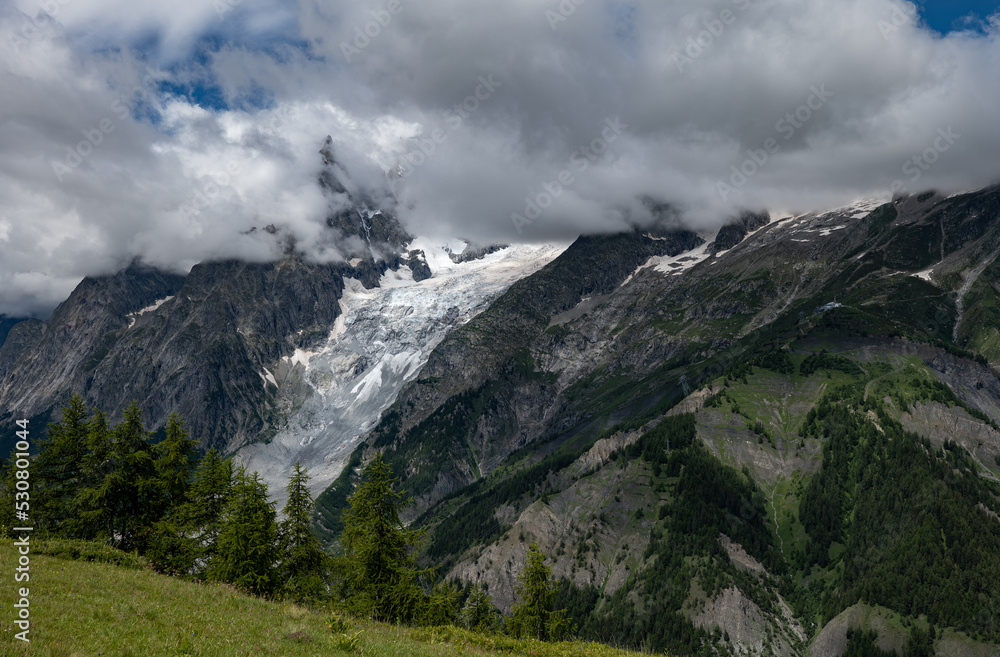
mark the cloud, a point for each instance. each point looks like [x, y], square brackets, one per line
[520, 121]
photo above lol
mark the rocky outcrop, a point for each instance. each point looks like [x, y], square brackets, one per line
[20, 338]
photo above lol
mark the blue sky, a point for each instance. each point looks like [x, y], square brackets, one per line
[946, 16]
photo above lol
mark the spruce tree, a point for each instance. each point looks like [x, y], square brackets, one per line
[246, 550]
[303, 565]
[378, 563]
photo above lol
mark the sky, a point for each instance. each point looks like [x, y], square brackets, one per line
[167, 131]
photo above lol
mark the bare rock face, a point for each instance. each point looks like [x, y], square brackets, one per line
[941, 424]
[20, 338]
[745, 623]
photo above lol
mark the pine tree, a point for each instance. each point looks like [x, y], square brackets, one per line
[123, 498]
[58, 468]
[303, 566]
[378, 563]
[441, 607]
[246, 549]
[8, 489]
[92, 519]
[185, 540]
[208, 498]
[479, 614]
[175, 461]
[532, 615]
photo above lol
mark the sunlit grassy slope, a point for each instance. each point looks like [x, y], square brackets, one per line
[81, 608]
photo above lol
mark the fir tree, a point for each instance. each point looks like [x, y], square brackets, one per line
[208, 498]
[246, 549]
[304, 563]
[378, 563]
[441, 607]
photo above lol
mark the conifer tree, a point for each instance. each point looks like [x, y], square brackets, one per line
[185, 540]
[303, 565]
[246, 549]
[441, 607]
[92, 519]
[124, 496]
[479, 614]
[8, 488]
[378, 564]
[175, 461]
[208, 498]
[58, 468]
[532, 615]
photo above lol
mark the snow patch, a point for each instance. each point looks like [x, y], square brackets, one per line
[148, 309]
[679, 263]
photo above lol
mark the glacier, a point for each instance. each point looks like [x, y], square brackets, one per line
[380, 341]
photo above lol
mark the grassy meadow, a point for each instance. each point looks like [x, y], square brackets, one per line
[90, 608]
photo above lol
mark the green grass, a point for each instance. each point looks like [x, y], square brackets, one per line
[90, 608]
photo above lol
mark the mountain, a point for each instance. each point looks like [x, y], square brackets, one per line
[778, 439]
[774, 441]
[228, 344]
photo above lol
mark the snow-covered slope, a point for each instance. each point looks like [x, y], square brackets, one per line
[380, 342]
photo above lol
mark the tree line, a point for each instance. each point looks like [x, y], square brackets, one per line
[206, 519]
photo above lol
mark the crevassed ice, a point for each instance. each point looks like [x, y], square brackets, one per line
[379, 342]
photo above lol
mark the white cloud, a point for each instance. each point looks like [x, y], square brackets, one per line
[697, 83]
